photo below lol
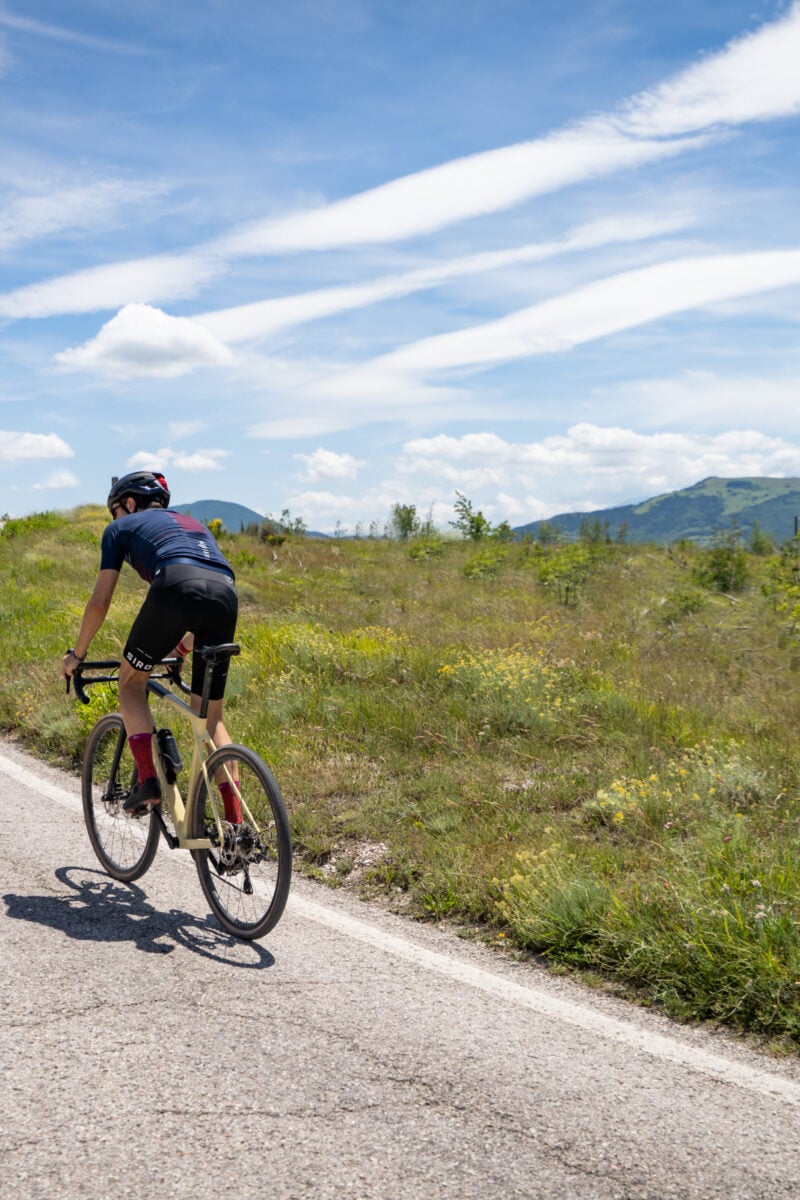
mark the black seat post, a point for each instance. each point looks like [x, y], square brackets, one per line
[212, 655]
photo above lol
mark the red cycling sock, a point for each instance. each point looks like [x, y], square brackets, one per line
[230, 798]
[141, 745]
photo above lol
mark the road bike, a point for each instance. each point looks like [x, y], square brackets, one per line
[245, 868]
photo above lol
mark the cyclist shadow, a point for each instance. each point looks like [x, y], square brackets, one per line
[103, 910]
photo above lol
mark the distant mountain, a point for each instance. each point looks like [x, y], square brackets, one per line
[696, 512]
[234, 517]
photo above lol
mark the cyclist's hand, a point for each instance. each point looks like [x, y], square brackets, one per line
[68, 665]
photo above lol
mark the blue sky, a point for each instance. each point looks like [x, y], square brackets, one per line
[332, 255]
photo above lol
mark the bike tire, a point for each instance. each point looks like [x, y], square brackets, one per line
[124, 845]
[266, 865]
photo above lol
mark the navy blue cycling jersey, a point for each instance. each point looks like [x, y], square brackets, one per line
[154, 536]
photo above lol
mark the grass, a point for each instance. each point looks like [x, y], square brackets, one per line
[579, 749]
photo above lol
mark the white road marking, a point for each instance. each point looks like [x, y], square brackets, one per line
[568, 1012]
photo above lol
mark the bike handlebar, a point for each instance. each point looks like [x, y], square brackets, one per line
[172, 672]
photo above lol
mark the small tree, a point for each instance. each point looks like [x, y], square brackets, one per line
[502, 532]
[470, 524]
[403, 522]
[548, 533]
[759, 542]
[594, 532]
[723, 567]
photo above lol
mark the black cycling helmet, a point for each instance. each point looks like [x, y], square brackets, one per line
[144, 485]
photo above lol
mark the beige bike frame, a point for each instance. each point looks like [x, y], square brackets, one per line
[181, 812]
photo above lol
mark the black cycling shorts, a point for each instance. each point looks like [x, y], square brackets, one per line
[184, 598]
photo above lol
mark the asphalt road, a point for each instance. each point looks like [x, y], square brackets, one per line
[351, 1054]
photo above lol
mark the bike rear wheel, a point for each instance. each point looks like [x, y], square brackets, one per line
[245, 877]
[124, 845]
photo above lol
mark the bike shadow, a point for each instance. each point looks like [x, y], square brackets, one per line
[103, 910]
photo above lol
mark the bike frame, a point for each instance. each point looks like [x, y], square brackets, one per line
[203, 745]
[181, 813]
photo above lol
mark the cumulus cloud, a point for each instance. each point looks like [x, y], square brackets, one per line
[592, 466]
[26, 447]
[57, 481]
[141, 340]
[166, 458]
[327, 464]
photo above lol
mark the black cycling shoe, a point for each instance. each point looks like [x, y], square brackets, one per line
[143, 797]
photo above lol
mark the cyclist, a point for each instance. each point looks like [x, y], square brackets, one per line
[191, 602]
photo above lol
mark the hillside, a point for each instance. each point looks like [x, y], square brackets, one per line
[584, 752]
[234, 517]
[696, 512]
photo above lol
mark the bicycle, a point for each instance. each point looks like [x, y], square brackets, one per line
[244, 869]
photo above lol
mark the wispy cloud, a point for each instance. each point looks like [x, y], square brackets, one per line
[705, 399]
[50, 210]
[249, 322]
[87, 41]
[166, 458]
[141, 340]
[754, 78]
[597, 310]
[24, 447]
[158, 279]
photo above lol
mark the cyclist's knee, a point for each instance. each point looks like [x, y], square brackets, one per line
[131, 680]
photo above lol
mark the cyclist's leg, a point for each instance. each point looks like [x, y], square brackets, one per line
[151, 637]
[215, 624]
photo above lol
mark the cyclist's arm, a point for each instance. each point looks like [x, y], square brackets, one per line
[93, 617]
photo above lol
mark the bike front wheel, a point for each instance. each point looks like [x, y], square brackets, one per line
[124, 845]
[246, 874]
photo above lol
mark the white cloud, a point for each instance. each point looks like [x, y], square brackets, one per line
[186, 428]
[703, 398]
[327, 464]
[57, 481]
[162, 460]
[754, 78]
[590, 466]
[467, 187]
[597, 310]
[51, 210]
[25, 447]
[160, 278]
[297, 427]
[141, 340]
[73, 37]
[248, 322]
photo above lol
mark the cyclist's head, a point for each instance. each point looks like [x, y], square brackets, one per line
[146, 487]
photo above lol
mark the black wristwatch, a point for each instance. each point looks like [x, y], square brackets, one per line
[79, 657]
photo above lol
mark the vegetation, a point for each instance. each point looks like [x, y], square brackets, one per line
[765, 509]
[585, 750]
